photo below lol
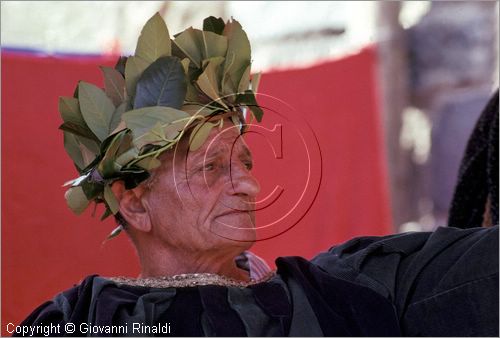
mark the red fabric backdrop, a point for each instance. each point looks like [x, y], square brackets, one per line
[45, 248]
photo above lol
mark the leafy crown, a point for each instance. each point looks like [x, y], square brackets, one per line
[148, 103]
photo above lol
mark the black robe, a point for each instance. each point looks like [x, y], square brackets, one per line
[443, 283]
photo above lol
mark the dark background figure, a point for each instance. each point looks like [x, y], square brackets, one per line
[475, 200]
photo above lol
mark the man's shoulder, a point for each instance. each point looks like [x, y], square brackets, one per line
[361, 252]
[64, 307]
[83, 287]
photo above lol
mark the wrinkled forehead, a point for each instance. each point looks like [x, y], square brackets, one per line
[221, 141]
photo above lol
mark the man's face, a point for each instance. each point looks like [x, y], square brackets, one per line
[204, 199]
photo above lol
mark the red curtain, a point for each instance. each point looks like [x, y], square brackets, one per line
[326, 162]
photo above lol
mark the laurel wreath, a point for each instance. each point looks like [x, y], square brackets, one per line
[148, 103]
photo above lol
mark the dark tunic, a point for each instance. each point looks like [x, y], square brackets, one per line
[441, 284]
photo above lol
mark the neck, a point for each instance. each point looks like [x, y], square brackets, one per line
[159, 261]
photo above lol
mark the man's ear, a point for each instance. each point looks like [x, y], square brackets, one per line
[131, 206]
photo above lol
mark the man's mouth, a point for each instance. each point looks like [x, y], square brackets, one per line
[234, 212]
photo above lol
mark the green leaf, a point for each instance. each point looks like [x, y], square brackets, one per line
[199, 45]
[73, 150]
[189, 43]
[133, 70]
[229, 85]
[209, 80]
[231, 81]
[192, 93]
[185, 65]
[106, 214]
[125, 142]
[91, 145]
[163, 83]
[142, 120]
[199, 135]
[120, 65]
[245, 81]
[248, 99]
[237, 57]
[198, 109]
[256, 81]
[127, 156]
[81, 150]
[117, 144]
[257, 112]
[75, 92]
[213, 24]
[173, 129]
[96, 108]
[111, 200]
[117, 116]
[87, 155]
[114, 85]
[149, 163]
[155, 136]
[76, 200]
[120, 127]
[69, 109]
[161, 134]
[154, 41]
[236, 121]
[91, 190]
[78, 130]
[214, 45]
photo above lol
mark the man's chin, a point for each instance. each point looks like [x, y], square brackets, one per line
[236, 228]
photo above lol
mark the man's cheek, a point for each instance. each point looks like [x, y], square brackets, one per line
[252, 218]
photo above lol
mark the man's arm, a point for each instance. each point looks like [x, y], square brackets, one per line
[441, 283]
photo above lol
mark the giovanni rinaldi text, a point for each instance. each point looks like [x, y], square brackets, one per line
[88, 328]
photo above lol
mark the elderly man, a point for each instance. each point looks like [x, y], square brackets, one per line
[162, 148]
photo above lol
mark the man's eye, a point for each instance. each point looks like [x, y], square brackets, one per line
[208, 167]
[249, 165]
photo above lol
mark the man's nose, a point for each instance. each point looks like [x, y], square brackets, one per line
[242, 181]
